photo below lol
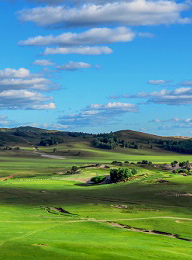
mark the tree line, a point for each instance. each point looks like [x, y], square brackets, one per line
[184, 146]
[110, 141]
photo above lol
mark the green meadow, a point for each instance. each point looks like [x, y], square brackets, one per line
[108, 221]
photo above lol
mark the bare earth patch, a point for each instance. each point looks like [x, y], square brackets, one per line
[154, 232]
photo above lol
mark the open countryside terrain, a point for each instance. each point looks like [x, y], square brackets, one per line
[47, 212]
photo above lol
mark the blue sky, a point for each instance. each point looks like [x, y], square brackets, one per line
[97, 66]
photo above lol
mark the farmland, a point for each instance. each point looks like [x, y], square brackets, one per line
[47, 214]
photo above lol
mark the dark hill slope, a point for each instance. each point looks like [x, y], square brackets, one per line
[130, 135]
[148, 141]
[32, 136]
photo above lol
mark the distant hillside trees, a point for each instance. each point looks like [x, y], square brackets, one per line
[105, 141]
[79, 134]
[184, 146]
[50, 141]
[110, 141]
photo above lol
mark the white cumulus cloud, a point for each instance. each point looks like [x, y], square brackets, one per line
[43, 63]
[136, 12]
[23, 79]
[74, 66]
[87, 50]
[95, 114]
[92, 36]
[24, 99]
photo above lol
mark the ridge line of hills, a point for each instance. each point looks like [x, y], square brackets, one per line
[32, 136]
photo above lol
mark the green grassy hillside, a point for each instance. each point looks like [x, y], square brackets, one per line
[48, 214]
[96, 228]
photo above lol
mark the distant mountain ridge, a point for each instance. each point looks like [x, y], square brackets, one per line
[32, 136]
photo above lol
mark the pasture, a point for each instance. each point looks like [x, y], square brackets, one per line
[109, 221]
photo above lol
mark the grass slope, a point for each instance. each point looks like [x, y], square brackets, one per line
[31, 228]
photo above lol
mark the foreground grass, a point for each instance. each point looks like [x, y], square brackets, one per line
[30, 231]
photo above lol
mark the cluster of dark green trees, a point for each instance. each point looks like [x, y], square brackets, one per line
[182, 171]
[184, 146]
[79, 134]
[98, 179]
[184, 164]
[145, 162]
[116, 175]
[185, 167]
[110, 141]
[121, 174]
[50, 141]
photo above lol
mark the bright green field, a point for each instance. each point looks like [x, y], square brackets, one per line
[29, 230]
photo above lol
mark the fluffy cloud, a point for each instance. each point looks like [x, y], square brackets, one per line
[44, 63]
[136, 12]
[158, 82]
[172, 120]
[17, 90]
[71, 66]
[156, 120]
[49, 106]
[187, 83]
[23, 79]
[113, 107]
[24, 99]
[178, 96]
[36, 83]
[98, 113]
[13, 73]
[172, 123]
[74, 2]
[92, 36]
[49, 126]
[87, 50]
[5, 121]
[50, 2]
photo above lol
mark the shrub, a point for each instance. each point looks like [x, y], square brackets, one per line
[184, 164]
[120, 174]
[133, 171]
[173, 164]
[98, 179]
[117, 163]
[181, 171]
[144, 162]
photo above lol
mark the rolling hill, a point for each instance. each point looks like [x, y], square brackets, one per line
[27, 134]
[33, 137]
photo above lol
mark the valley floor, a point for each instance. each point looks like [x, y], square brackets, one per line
[45, 214]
